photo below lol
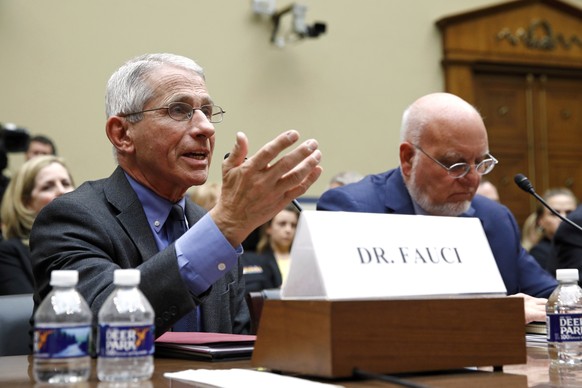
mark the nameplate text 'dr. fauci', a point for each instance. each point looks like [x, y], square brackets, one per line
[344, 255]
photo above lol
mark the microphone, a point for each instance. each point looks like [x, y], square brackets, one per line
[293, 201]
[524, 184]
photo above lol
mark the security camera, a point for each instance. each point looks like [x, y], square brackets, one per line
[300, 29]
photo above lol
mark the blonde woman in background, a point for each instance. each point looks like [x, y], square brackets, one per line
[268, 266]
[36, 183]
[205, 195]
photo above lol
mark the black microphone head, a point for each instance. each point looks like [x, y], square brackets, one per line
[524, 183]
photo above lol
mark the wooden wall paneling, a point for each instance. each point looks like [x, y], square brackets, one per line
[520, 64]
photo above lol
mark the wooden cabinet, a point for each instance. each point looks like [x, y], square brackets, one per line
[520, 65]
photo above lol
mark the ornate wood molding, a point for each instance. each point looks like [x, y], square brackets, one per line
[539, 35]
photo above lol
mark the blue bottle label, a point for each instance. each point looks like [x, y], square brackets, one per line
[62, 342]
[564, 327]
[126, 341]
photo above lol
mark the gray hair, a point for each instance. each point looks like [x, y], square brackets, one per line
[128, 89]
[413, 122]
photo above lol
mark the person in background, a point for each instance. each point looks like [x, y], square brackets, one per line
[39, 145]
[12, 139]
[563, 201]
[344, 178]
[530, 233]
[567, 247]
[488, 189]
[161, 122]
[269, 265]
[36, 183]
[206, 195]
[444, 151]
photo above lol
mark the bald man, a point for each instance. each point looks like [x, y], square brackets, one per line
[444, 152]
[488, 189]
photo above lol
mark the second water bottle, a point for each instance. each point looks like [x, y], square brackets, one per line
[126, 332]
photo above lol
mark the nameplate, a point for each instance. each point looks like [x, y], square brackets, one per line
[345, 255]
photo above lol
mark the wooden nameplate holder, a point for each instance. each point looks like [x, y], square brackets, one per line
[330, 338]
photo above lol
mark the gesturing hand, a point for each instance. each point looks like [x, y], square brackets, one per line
[256, 188]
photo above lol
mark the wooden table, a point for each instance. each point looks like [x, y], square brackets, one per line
[15, 371]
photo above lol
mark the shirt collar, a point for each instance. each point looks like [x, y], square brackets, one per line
[155, 207]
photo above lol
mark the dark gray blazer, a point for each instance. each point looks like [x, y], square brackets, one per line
[100, 227]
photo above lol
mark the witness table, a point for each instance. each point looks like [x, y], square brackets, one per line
[15, 372]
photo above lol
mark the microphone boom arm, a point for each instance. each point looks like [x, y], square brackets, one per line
[554, 212]
[523, 182]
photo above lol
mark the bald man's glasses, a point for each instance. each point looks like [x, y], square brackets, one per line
[459, 170]
[180, 111]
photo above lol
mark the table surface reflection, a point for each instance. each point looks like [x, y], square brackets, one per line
[537, 372]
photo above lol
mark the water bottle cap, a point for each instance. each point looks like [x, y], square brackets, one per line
[64, 278]
[126, 277]
[566, 274]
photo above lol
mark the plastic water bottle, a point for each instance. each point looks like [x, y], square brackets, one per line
[564, 320]
[126, 332]
[62, 333]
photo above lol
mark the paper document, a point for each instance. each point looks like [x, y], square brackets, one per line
[243, 378]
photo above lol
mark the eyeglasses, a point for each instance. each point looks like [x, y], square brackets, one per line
[180, 111]
[459, 170]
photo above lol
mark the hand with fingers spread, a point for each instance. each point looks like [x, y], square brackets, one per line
[256, 188]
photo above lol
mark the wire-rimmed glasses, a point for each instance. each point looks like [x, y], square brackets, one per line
[459, 170]
[181, 111]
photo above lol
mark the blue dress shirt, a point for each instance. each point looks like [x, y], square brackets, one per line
[204, 255]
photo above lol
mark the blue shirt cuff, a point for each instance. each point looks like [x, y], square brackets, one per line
[204, 255]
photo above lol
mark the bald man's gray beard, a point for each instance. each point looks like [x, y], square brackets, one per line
[422, 199]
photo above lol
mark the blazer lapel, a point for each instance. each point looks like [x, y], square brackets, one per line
[120, 195]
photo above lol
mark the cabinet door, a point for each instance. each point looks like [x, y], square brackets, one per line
[534, 126]
[561, 131]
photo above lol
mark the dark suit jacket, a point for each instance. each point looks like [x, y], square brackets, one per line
[15, 268]
[386, 193]
[542, 252]
[567, 252]
[260, 271]
[100, 227]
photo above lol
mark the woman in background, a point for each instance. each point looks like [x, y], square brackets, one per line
[564, 202]
[37, 182]
[205, 195]
[268, 266]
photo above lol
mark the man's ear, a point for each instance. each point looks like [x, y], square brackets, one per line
[117, 131]
[406, 155]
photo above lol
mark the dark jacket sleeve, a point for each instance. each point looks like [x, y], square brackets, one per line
[15, 268]
[567, 252]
